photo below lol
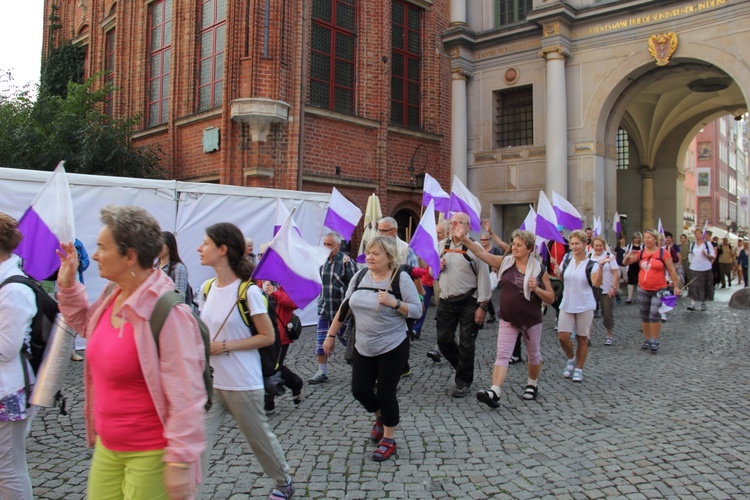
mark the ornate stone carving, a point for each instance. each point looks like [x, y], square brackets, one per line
[454, 53]
[460, 74]
[554, 49]
[551, 29]
[511, 75]
[662, 46]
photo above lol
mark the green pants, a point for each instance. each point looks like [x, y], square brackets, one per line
[129, 475]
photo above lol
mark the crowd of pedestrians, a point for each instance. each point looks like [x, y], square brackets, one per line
[158, 444]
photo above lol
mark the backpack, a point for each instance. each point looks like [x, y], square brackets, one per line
[189, 298]
[589, 267]
[464, 251]
[708, 250]
[661, 256]
[294, 327]
[41, 327]
[161, 311]
[270, 356]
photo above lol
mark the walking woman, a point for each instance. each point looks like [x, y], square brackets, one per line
[238, 377]
[653, 261]
[171, 263]
[144, 406]
[634, 246]
[17, 310]
[579, 274]
[524, 285]
[610, 284]
[702, 255]
[381, 349]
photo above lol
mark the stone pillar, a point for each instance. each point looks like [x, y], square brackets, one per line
[458, 13]
[459, 124]
[557, 121]
[647, 207]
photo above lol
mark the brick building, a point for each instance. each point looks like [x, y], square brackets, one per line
[238, 92]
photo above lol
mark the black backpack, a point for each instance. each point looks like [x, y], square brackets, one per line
[159, 315]
[589, 267]
[41, 327]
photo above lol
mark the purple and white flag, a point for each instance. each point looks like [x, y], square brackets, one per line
[546, 221]
[342, 215]
[597, 229]
[462, 200]
[661, 228]
[433, 192]
[424, 240]
[48, 221]
[529, 223]
[705, 229]
[280, 216]
[294, 263]
[616, 224]
[567, 215]
[667, 303]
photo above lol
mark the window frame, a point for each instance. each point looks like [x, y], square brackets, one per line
[335, 30]
[519, 138]
[407, 56]
[110, 42]
[516, 14]
[165, 49]
[214, 99]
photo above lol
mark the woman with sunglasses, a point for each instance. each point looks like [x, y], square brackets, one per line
[652, 285]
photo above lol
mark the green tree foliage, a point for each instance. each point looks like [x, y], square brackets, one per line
[63, 64]
[71, 127]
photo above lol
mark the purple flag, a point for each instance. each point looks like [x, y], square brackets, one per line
[667, 303]
[342, 215]
[705, 229]
[294, 263]
[424, 240]
[616, 224]
[462, 200]
[567, 215]
[48, 221]
[546, 221]
[661, 228]
[433, 192]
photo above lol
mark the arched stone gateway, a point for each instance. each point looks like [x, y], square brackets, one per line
[584, 79]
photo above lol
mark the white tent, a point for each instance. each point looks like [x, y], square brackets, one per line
[184, 208]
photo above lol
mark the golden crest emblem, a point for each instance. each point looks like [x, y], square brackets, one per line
[662, 46]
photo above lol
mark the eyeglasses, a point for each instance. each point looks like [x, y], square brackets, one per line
[386, 230]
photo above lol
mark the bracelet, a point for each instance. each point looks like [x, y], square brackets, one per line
[224, 346]
[178, 465]
[331, 336]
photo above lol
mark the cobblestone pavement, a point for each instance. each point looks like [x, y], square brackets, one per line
[673, 424]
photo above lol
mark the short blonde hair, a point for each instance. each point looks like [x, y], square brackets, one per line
[599, 238]
[388, 245]
[526, 236]
[579, 235]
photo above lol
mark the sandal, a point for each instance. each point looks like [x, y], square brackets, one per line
[384, 450]
[530, 393]
[376, 434]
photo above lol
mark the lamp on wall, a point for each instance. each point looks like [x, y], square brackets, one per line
[418, 177]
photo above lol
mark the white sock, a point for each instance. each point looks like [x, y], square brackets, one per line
[323, 367]
[496, 390]
[532, 382]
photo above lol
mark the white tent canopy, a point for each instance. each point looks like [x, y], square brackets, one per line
[185, 208]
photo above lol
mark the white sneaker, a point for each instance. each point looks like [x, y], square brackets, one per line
[578, 375]
[569, 368]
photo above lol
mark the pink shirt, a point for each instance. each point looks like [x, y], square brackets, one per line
[126, 419]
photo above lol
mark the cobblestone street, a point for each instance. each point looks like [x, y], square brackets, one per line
[641, 425]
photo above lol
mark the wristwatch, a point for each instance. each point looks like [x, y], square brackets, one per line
[483, 307]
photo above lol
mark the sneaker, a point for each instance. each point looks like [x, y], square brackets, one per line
[691, 308]
[654, 346]
[703, 307]
[628, 301]
[460, 392]
[434, 355]
[608, 341]
[663, 318]
[408, 373]
[491, 319]
[318, 378]
[270, 408]
[646, 345]
[489, 398]
[578, 375]
[569, 368]
[282, 492]
[572, 335]
[513, 360]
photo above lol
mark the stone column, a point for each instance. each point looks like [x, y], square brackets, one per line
[458, 13]
[557, 121]
[647, 203]
[459, 124]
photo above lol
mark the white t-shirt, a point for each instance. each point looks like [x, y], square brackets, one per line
[698, 261]
[608, 281]
[578, 296]
[240, 370]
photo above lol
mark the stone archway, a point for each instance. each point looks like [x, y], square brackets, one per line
[407, 216]
[661, 109]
